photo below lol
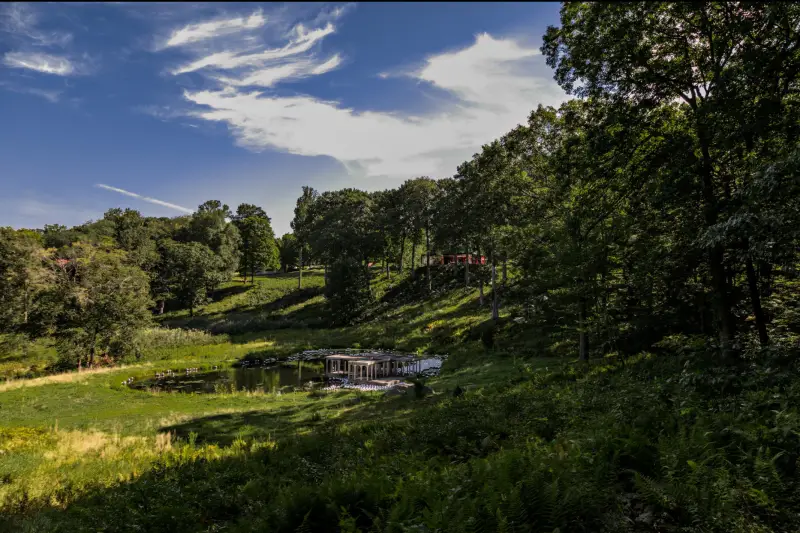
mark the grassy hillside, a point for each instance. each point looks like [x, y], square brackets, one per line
[506, 442]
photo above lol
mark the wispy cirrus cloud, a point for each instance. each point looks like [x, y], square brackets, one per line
[145, 198]
[240, 57]
[261, 60]
[212, 29]
[40, 62]
[22, 21]
[35, 46]
[49, 95]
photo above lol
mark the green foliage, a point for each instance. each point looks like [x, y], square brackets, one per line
[258, 248]
[341, 226]
[209, 227]
[288, 252]
[103, 302]
[26, 270]
[348, 290]
[134, 236]
[193, 269]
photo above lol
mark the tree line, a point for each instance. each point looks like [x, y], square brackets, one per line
[661, 199]
[92, 287]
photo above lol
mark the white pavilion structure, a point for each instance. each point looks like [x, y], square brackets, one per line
[370, 366]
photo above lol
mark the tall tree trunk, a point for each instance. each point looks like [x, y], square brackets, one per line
[25, 312]
[92, 349]
[428, 258]
[755, 299]
[402, 251]
[727, 327]
[480, 281]
[605, 334]
[765, 276]
[726, 324]
[583, 335]
[495, 302]
[300, 269]
[413, 258]
[466, 268]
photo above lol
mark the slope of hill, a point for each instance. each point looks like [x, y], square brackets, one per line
[506, 442]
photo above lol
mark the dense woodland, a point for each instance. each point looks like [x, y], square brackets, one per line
[657, 211]
[661, 200]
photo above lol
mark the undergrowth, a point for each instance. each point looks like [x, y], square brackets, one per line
[644, 444]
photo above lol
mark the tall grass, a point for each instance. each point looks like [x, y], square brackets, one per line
[648, 445]
[152, 339]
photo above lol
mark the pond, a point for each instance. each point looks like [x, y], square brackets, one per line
[266, 379]
[269, 376]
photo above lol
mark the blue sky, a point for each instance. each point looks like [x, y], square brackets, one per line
[160, 107]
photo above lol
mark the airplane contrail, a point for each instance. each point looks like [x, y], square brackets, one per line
[145, 198]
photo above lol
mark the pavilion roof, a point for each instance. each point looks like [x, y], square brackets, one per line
[371, 357]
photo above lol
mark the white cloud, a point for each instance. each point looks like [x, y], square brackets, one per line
[482, 73]
[212, 29]
[50, 96]
[228, 60]
[44, 63]
[21, 21]
[495, 81]
[331, 64]
[145, 198]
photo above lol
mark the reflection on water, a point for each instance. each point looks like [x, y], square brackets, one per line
[267, 379]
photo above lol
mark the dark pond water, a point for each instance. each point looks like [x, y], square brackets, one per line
[268, 379]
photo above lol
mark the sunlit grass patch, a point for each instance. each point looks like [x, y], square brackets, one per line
[66, 377]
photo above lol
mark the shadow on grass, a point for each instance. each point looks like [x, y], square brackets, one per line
[293, 298]
[225, 428]
[311, 446]
[334, 409]
[227, 292]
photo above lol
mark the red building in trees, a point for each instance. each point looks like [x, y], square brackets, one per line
[461, 259]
